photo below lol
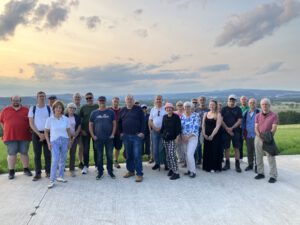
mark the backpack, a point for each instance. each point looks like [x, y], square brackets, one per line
[34, 109]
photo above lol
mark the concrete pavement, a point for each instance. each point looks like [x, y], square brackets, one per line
[211, 198]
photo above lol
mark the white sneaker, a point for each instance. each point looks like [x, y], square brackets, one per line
[51, 184]
[60, 179]
[84, 170]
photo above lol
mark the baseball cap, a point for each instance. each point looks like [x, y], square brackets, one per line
[144, 106]
[232, 97]
[102, 98]
[52, 97]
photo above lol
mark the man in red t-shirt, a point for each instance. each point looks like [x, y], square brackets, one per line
[16, 134]
[265, 121]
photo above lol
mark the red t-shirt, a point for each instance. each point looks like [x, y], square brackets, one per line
[265, 122]
[15, 124]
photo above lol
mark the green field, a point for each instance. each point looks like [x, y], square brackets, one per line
[287, 138]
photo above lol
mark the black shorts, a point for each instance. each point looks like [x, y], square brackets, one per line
[117, 142]
[235, 139]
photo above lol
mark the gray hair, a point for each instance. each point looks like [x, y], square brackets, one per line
[187, 104]
[268, 101]
[76, 95]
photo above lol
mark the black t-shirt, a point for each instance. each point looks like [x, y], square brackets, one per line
[103, 123]
[231, 115]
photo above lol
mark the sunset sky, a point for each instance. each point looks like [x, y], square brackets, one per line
[115, 47]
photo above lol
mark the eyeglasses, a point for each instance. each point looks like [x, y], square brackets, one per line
[89, 98]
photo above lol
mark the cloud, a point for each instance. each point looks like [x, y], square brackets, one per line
[247, 28]
[215, 68]
[91, 22]
[111, 74]
[15, 13]
[143, 33]
[30, 13]
[138, 11]
[275, 66]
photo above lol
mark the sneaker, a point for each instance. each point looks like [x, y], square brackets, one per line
[138, 178]
[72, 172]
[80, 165]
[129, 174]
[249, 168]
[61, 179]
[272, 180]
[116, 164]
[11, 174]
[84, 170]
[27, 172]
[51, 184]
[259, 176]
[192, 175]
[174, 176]
[99, 176]
[112, 175]
[151, 161]
[37, 177]
[170, 173]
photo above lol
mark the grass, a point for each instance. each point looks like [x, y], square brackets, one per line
[287, 139]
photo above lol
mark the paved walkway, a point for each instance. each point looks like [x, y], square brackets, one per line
[210, 198]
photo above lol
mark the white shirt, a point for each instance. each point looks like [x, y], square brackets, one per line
[57, 127]
[40, 117]
[72, 123]
[156, 115]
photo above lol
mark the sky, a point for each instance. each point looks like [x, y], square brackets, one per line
[116, 47]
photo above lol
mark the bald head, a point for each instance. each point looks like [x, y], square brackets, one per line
[15, 101]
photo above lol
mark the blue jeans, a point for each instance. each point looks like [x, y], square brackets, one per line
[133, 146]
[109, 147]
[59, 154]
[156, 146]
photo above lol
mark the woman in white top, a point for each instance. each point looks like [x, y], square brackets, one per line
[58, 127]
[190, 132]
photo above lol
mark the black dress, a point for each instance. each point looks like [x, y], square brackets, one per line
[212, 153]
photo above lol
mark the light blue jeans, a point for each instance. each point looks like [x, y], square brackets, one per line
[59, 154]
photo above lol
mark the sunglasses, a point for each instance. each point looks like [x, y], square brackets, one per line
[89, 98]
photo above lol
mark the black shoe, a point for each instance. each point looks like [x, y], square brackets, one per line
[259, 176]
[166, 168]
[227, 165]
[174, 176]
[237, 166]
[170, 173]
[27, 172]
[37, 177]
[192, 175]
[249, 168]
[272, 180]
[11, 174]
[80, 165]
[156, 166]
[112, 175]
[187, 173]
[99, 176]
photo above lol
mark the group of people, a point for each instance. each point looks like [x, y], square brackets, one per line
[188, 133]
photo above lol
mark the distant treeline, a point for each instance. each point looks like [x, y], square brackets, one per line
[289, 117]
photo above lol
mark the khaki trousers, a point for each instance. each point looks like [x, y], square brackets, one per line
[259, 159]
